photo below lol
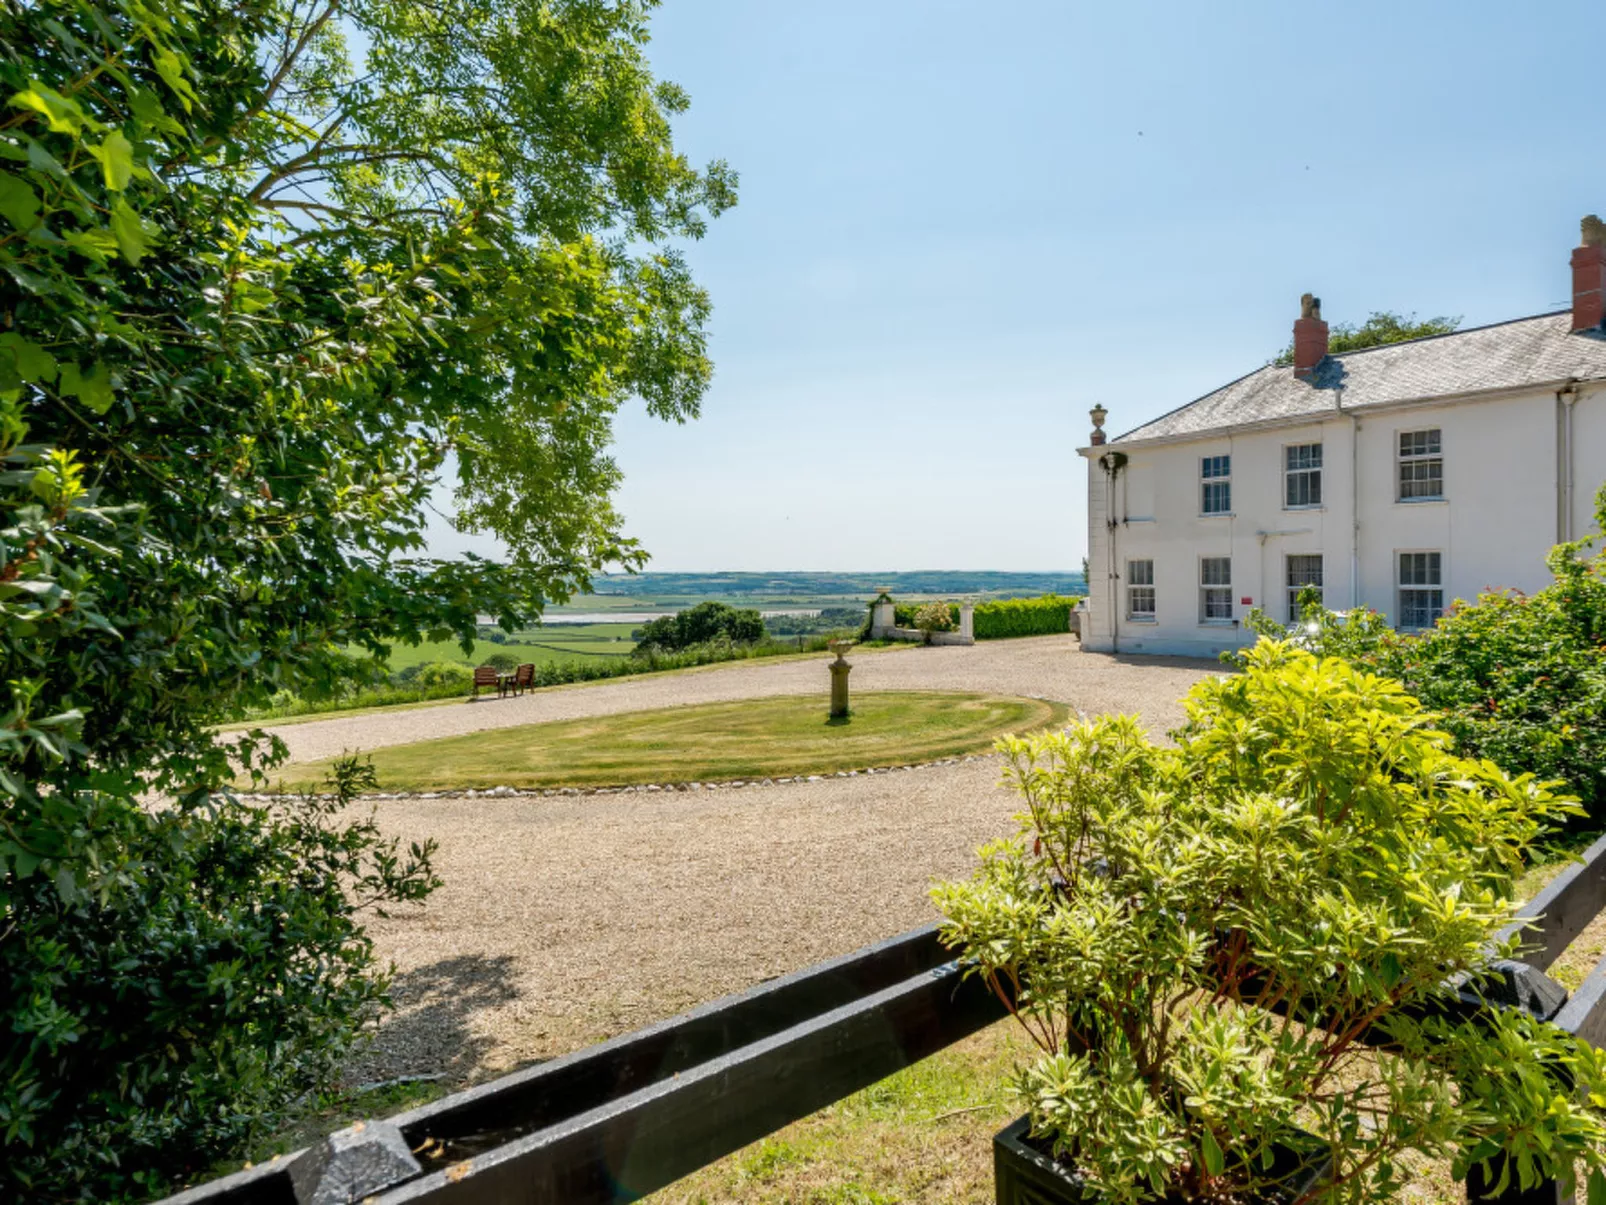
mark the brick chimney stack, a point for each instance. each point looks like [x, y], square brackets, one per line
[1310, 336]
[1589, 276]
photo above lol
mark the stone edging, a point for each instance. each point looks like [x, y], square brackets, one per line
[735, 784]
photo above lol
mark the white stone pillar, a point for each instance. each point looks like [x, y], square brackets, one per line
[967, 622]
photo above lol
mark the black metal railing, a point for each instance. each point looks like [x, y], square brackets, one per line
[624, 1118]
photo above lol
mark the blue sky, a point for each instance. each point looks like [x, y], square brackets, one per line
[961, 225]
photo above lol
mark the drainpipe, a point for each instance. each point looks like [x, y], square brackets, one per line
[1354, 504]
[1112, 463]
[1566, 398]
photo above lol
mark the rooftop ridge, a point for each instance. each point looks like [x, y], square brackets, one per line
[1464, 330]
[1512, 353]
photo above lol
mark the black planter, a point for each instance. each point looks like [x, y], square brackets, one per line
[1024, 1173]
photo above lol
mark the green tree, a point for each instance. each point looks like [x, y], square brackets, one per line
[1383, 326]
[263, 270]
[705, 622]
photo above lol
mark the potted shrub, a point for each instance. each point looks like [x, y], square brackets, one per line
[1230, 953]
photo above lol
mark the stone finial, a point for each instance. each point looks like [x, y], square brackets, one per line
[1592, 232]
[1098, 414]
[1310, 307]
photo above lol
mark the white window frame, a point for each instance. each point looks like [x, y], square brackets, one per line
[1140, 591]
[1402, 588]
[1402, 458]
[1310, 473]
[1215, 474]
[1291, 589]
[1215, 595]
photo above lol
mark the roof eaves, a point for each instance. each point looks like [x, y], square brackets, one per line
[1185, 405]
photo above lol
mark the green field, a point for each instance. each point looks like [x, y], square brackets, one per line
[713, 742]
[561, 642]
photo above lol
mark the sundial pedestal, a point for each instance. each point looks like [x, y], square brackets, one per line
[839, 679]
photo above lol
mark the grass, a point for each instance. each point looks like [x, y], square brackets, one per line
[923, 1135]
[717, 741]
[560, 642]
[310, 713]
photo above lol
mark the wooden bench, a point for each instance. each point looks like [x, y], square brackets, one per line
[523, 678]
[487, 675]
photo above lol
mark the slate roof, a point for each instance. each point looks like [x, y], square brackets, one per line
[1526, 351]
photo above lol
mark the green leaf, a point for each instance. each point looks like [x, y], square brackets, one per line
[1214, 1162]
[171, 68]
[93, 388]
[116, 155]
[133, 236]
[61, 112]
[19, 204]
[1597, 1187]
[29, 361]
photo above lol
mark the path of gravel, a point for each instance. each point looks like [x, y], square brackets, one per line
[567, 920]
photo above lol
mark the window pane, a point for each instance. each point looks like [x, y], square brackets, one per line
[1420, 608]
[1420, 568]
[1140, 602]
[1215, 467]
[1419, 443]
[1217, 603]
[1140, 573]
[1303, 572]
[1217, 498]
[1422, 478]
[1304, 488]
[1215, 571]
[1304, 456]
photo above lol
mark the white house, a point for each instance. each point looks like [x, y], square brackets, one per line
[1397, 478]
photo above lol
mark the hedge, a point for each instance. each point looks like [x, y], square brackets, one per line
[1045, 616]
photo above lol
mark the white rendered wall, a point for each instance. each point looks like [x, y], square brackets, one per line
[1504, 506]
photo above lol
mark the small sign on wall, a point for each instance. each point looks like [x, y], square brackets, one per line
[1247, 601]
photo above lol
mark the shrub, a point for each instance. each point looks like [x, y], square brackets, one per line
[1310, 847]
[1519, 679]
[1045, 616]
[698, 625]
[175, 1015]
[434, 673]
[1000, 620]
[935, 617]
[906, 615]
[502, 662]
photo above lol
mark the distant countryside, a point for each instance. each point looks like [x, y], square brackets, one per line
[598, 635]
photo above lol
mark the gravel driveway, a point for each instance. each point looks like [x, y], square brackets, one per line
[567, 920]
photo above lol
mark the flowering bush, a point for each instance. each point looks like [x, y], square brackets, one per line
[1310, 850]
[934, 617]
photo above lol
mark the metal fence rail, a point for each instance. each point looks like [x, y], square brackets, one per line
[619, 1120]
